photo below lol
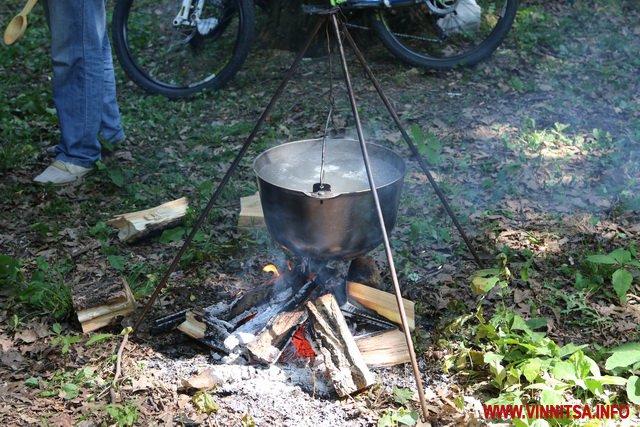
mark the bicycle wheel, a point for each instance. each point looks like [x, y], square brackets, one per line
[172, 52]
[443, 34]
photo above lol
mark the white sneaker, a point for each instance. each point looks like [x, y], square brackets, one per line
[60, 173]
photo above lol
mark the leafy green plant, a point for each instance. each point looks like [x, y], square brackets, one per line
[44, 292]
[67, 385]
[616, 267]
[100, 231]
[401, 416]
[117, 176]
[429, 145]
[64, 341]
[10, 270]
[98, 338]
[124, 415]
[523, 363]
[248, 421]
[204, 402]
[398, 417]
[485, 280]
[626, 358]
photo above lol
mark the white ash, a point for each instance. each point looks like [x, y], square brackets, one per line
[274, 395]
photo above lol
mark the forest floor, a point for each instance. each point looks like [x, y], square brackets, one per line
[537, 150]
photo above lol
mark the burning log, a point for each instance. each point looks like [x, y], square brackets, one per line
[262, 317]
[262, 326]
[381, 302]
[133, 226]
[342, 358]
[97, 304]
[270, 343]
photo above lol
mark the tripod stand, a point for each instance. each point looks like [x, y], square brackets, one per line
[331, 17]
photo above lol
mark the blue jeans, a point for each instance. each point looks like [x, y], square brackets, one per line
[84, 87]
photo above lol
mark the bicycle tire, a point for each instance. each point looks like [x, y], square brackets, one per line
[414, 34]
[178, 61]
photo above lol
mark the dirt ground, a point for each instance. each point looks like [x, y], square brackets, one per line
[536, 149]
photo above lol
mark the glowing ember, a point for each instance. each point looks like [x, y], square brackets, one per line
[270, 268]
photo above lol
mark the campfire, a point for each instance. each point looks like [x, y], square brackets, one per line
[310, 314]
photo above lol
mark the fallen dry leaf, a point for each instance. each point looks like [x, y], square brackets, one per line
[28, 336]
[204, 380]
[13, 359]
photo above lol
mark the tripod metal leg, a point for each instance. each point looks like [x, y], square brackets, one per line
[385, 237]
[412, 146]
[227, 175]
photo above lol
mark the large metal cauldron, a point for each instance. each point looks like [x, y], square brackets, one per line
[338, 224]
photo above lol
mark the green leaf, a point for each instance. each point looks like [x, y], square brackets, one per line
[56, 328]
[70, 391]
[402, 395]
[98, 338]
[595, 386]
[203, 402]
[386, 420]
[117, 176]
[537, 323]
[117, 262]
[623, 356]
[569, 349]
[550, 397]
[407, 417]
[602, 259]
[621, 280]
[531, 369]
[633, 389]
[482, 285]
[490, 357]
[519, 324]
[622, 256]
[48, 393]
[498, 372]
[32, 382]
[563, 370]
[173, 235]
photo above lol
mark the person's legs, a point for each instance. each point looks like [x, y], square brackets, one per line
[110, 126]
[78, 29]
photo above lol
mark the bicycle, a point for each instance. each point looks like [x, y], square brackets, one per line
[178, 47]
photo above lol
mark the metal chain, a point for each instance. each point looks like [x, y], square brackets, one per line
[330, 113]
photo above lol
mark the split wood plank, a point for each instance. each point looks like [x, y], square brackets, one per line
[345, 365]
[383, 303]
[192, 326]
[251, 212]
[385, 349]
[97, 316]
[133, 226]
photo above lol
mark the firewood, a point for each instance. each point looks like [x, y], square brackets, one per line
[383, 303]
[193, 327]
[133, 226]
[269, 343]
[385, 349]
[364, 270]
[345, 365]
[97, 304]
[251, 212]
